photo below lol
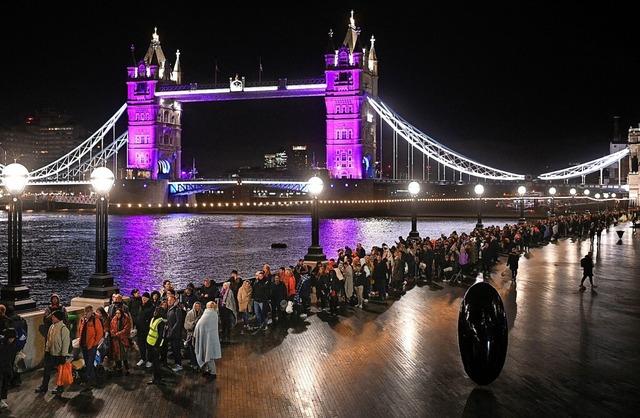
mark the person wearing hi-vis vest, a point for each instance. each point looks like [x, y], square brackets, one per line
[155, 340]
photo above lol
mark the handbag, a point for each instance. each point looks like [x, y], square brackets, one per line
[65, 375]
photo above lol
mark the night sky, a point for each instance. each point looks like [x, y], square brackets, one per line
[527, 87]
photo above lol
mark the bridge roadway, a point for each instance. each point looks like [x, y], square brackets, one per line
[571, 354]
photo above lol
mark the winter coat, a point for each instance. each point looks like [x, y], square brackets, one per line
[120, 332]
[244, 297]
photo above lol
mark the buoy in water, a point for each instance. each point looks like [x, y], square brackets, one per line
[278, 245]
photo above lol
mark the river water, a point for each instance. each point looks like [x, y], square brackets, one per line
[143, 250]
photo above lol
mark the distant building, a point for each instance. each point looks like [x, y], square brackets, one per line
[299, 159]
[277, 161]
[41, 139]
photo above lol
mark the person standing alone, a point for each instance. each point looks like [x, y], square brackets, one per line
[587, 267]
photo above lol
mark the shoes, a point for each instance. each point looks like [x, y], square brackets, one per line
[303, 316]
[41, 390]
[58, 391]
[3, 404]
[581, 287]
[149, 364]
[127, 373]
[155, 382]
[366, 301]
[593, 286]
[266, 327]
[211, 376]
[140, 363]
[177, 368]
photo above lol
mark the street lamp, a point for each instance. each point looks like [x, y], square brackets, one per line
[479, 189]
[521, 191]
[572, 192]
[414, 189]
[552, 192]
[314, 253]
[586, 193]
[101, 282]
[15, 178]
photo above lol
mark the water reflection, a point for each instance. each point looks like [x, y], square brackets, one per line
[144, 250]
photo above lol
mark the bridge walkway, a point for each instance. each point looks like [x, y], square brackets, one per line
[570, 354]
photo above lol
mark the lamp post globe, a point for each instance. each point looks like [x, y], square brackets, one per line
[521, 191]
[572, 192]
[315, 252]
[552, 192]
[479, 190]
[15, 178]
[414, 189]
[101, 282]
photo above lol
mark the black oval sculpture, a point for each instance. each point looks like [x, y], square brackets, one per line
[482, 333]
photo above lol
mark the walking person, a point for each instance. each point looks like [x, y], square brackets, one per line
[587, 270]
[512, 262]
[56, 349]
[207, 341]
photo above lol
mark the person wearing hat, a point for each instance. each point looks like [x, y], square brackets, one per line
[8, 350]
[142, 328]
[56, 350]
[512, 262]
[54, 306]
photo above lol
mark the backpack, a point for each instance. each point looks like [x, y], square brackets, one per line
[21, 336]
[583, 263]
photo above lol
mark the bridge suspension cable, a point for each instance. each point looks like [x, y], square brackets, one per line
[433, 149]
[84, 157]
[585, 168]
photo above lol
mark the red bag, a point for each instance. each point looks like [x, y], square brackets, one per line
[65, 375]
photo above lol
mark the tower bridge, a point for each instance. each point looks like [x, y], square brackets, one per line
[151, 167]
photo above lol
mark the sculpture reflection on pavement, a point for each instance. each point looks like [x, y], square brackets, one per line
[482, 333]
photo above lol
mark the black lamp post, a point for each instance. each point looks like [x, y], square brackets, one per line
[587, 192]
[414, 189]
[314, 253]
[572, 192]
[521, 191]
[15, 178]
[552, 192]
[479, 189]
[101, 282]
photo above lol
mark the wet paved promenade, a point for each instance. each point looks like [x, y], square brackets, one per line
[571, 354]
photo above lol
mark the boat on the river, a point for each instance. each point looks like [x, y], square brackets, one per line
[57, 272]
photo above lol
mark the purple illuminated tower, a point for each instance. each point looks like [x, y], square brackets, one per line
[351, 72]
[155, 128]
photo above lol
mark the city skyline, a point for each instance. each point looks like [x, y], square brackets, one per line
[521, 88]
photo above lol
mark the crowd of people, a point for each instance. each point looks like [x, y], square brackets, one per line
[167, 328]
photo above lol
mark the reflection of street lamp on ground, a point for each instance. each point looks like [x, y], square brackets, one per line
[414, 189]
[101, 283]
[572, 192]
[479, 189]
[521, 191]
[314, 253]
[15, 178]
[552, 192]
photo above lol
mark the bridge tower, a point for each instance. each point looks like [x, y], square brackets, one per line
[633, 178]
[351, 72]
[155, 128]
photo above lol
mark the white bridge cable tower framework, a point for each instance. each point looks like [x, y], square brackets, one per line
[436, 151]
[586, 168]
[84, 157]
